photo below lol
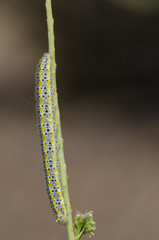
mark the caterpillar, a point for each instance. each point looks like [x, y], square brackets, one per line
[48, 127]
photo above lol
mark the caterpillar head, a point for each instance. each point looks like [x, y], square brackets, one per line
[62, 219]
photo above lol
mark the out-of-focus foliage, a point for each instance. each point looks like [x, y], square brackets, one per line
[147, 6]
[112, 41]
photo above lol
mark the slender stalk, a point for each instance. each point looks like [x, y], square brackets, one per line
[62, 165]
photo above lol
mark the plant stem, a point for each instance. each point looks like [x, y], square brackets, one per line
[62, 165]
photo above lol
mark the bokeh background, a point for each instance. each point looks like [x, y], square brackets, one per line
[107, 53]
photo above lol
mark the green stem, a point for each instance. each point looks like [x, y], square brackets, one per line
[62, 165]
[79, 235]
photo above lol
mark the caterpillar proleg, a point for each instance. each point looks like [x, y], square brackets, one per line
[48, 127]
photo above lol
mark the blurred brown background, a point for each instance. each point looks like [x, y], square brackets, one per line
[107, 54]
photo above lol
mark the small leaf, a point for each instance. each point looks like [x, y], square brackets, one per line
[84, 224]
